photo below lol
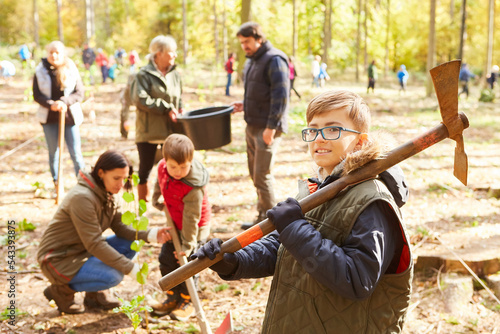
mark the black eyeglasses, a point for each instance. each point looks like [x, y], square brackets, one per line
[328, 133]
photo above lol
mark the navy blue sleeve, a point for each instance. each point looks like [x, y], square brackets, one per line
[257, 259]
[353, 269]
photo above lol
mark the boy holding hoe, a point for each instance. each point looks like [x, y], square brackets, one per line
[345, 266]
[181, 181]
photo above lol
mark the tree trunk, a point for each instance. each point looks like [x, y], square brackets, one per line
[246, 15]
[88, 20]
[387, 30]
[462, 30]
[92, 17]
[295, 37]
[246, 11]
[432, 47]
[107, 19]
[184, 32]
[489, 49]
[36, 33]
[365, 44]
[216, 34]
[358, 40]
[59, 21]
[127, 10]
[327, 30]
[224, 30]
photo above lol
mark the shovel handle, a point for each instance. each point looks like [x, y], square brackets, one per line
[366, 172]
[60, 144]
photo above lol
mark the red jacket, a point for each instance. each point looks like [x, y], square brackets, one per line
[102, 59]
[229, 65]
[175, 191]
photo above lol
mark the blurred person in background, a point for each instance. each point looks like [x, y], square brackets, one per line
[58, 88]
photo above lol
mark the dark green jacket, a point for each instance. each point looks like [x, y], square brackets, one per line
[299, 304]
[154, 96]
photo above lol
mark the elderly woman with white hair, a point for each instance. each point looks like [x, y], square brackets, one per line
[58, 87]
[156, 93]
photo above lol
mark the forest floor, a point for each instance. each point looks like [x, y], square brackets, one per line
[441, 215]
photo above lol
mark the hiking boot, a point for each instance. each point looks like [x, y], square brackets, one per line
[184, 311]
[167, 306]
[64, 297]
[260, 217]
[102, 300]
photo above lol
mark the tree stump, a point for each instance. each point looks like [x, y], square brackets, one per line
[494, 283]
[494, 191]
[457, 291]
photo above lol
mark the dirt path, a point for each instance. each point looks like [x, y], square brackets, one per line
[465, 218]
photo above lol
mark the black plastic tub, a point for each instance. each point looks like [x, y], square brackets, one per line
[208, 128]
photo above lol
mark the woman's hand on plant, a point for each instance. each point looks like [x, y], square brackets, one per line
[163, 235]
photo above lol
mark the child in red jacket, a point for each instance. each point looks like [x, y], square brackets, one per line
[181, 181]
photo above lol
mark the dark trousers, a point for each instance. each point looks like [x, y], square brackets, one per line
[260, 162]
[147, 159]
[465, 88]
[371, 83]
[168, 263]
[293, 88]
[228, 83]
[104, 72]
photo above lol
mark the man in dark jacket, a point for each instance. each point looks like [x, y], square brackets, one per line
[88, 58]
[267, 91]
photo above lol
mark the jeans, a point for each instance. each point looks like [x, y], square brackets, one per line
[316, 81]
[260, 162]
[228, 83]
[72, 138]
[104, 72]
[95, 275]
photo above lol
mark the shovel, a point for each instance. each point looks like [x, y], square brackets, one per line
[445, 79]
[60, 144]
[200, 314]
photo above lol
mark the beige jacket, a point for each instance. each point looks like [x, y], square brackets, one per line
[75, 233]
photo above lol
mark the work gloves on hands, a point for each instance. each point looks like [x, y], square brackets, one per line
[285, 213]
[226, 266]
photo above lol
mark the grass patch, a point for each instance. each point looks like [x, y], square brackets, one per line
[221, 287]
[232, 218]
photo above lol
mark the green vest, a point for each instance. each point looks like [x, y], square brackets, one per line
[299, 304]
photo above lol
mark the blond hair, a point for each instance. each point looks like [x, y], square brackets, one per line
[179, 148]
[62, 71]
[352, 103]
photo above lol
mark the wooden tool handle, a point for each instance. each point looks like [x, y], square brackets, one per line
[60, 144]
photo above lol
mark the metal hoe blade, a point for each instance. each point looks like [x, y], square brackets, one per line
[445, 80]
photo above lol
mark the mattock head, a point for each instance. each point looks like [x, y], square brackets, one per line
[445, 79]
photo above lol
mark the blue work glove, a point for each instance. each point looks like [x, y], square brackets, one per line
[285, 213]
[226, 266]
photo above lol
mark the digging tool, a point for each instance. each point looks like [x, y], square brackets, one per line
[445, 78]
[200, 314]
[60, 144]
